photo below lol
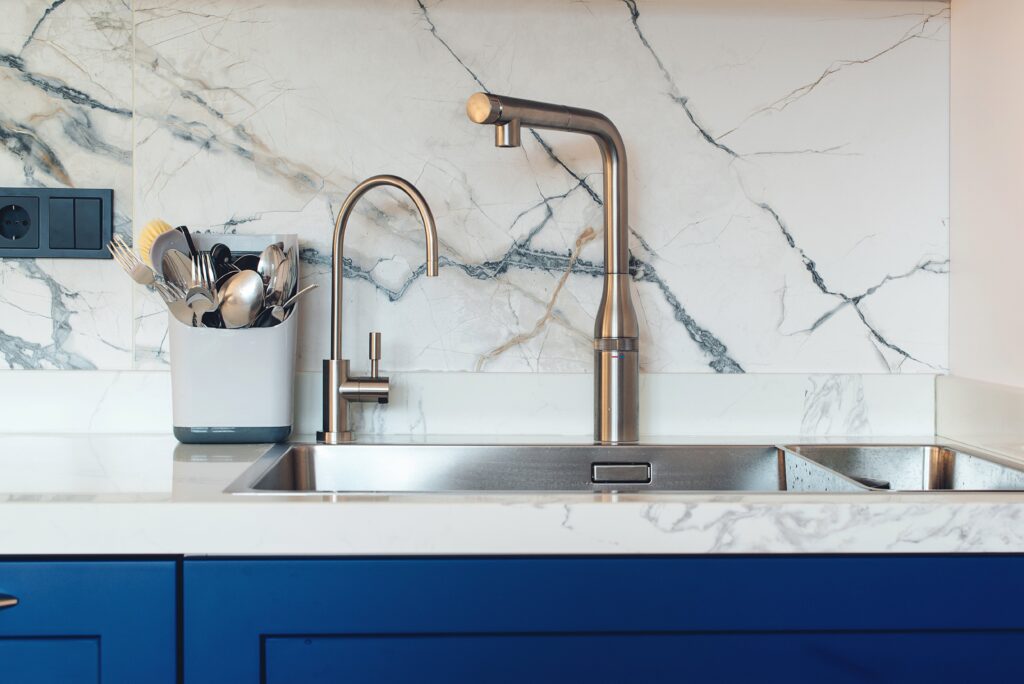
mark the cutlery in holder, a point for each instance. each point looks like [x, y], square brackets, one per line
[233, 385]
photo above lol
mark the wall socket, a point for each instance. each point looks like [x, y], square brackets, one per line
[68, 223]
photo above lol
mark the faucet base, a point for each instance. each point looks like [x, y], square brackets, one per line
[334, 437]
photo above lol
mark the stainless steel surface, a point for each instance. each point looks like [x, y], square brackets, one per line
[805, 475]
[375, 354]
[283, 281]
[8, 601]
[177, 268]
[207, 275]
[130, 262]
[340, 388]
[270, 258]
[612, 473]
[142, 274]
[507, 134]
[201, 296]
[616, 332]
[355, 468]
[281, 311]
[916, 467]
[200, 301]
[241, 299]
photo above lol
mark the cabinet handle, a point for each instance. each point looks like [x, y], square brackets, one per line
[8, 601]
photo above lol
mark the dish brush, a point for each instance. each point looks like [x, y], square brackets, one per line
[150, 232]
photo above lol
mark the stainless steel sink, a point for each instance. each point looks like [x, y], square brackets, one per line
[916, 467]
[392, 468]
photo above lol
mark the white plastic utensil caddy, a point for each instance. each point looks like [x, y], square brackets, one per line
[233, 386]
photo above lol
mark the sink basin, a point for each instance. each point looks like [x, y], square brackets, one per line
[915, 467]
[393, 468]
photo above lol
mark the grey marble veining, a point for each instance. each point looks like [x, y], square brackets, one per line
[146, 494]
[65, 69]
[773, 228]
[509, 221]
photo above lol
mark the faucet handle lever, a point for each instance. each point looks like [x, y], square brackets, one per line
[375, 338]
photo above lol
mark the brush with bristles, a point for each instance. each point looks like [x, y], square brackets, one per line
[149, 233]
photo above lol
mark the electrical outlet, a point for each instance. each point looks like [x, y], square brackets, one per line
[68, 223]
[19, 222]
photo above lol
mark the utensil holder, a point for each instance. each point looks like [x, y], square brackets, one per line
[233, 386]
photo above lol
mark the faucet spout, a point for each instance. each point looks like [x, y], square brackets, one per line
[429, 230]
[339, 387]
[616, 331]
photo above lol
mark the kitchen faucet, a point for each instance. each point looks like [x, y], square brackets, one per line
[339, 387]
[616, 333]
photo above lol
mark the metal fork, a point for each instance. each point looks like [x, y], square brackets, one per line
[140, 272]
[201, 296]
[203, 273]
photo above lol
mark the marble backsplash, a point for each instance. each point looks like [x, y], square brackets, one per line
[788, 173]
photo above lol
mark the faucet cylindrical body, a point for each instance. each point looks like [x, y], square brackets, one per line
[616, 331]
[616, 392]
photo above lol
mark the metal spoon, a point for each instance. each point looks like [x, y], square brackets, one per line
[177, 268]
[281, 311]
[270, 259]
[283, 281]
[241, 299]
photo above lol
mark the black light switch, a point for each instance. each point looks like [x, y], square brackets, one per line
[87, 224]
[62, 223]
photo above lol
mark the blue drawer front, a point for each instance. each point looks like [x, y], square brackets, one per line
[114, 619]
[597, 658]
[247, 618]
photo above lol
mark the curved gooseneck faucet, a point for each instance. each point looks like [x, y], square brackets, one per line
[616, 332]
[339, 387]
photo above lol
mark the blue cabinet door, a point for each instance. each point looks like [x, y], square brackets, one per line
[763, 618]
[89, 621]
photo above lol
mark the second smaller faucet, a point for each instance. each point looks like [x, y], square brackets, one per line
[340, 388]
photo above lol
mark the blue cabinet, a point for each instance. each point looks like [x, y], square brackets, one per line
[89, 621]
[760, 618]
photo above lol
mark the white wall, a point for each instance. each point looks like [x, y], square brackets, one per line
[987, 191]
[788, 197]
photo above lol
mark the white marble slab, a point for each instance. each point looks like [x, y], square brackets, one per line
[124, 507]
[66, 121]
[788, 170]
[425, 404]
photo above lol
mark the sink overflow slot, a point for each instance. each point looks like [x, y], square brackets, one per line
[620, 473]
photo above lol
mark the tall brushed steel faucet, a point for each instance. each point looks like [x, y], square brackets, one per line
[616, 332]
[339, 387]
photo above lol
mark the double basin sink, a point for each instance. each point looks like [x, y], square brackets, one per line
[423, 468]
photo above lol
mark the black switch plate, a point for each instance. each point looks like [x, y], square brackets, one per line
[68, 223]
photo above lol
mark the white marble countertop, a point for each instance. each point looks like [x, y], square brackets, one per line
[147, 494]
